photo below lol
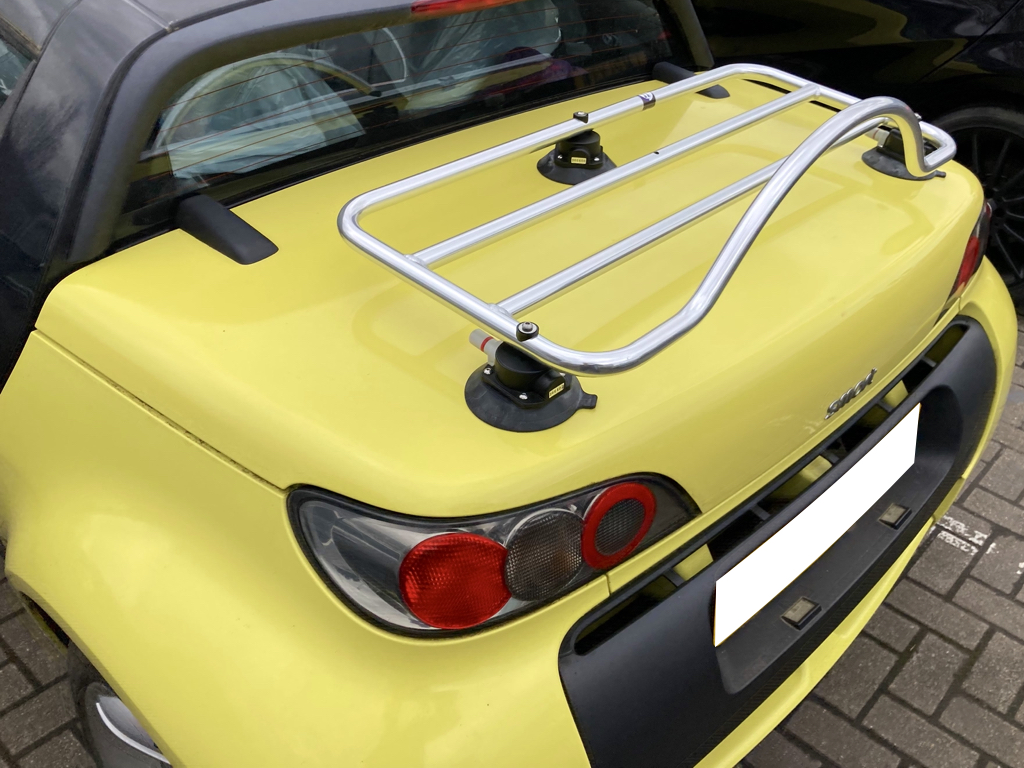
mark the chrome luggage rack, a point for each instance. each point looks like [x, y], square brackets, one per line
[855, 118]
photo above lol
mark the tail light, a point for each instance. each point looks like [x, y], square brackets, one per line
[451, 7]
[977, 244]
[416, 574]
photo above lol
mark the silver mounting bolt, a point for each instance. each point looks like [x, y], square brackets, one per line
[526, 331]
[522, 396]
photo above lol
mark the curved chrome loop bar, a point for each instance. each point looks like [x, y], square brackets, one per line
[855, 118]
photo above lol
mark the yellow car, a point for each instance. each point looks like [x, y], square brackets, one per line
[466, 382]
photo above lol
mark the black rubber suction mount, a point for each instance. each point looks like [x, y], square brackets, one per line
[576, 158]
[518, 393]
[890, 158]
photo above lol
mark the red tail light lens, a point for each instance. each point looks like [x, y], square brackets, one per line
[429, 575]
[451, 7]
[455, 580]
[616, 523]
[977, 243]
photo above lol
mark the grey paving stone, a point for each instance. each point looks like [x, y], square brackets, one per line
[913, 735]
[13, 686]
[1001, 563]
[63, 751]
[9, 602]
[979, 727]
[1018, 376]
[776, 752]
[37, 717]
[991, 606]
[995, 509]
[998, 674]
[964, 525]
[1006, 474]
[1009, 436]
[942, 561]
[856, 676]
[23, 636]
[837, 740]
[1013, 412]
[976, 471]
[926, 677]
[993, 447]
[933, 612]
[891, 629]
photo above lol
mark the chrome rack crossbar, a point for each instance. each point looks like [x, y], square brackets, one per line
[854, 119]
[550, 287]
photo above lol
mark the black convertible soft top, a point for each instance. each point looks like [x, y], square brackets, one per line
[35, 19]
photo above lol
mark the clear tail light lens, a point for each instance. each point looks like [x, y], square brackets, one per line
[425, 575]
[977, 244]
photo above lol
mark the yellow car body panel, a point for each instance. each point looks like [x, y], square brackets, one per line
[179, 572]
[170, 397]
[319, 366]
[177, 569]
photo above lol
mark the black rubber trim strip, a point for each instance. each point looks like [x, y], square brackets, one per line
[670, 73]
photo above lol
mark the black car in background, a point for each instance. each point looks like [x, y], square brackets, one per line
[960, 63]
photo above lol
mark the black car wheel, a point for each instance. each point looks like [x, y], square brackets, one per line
[112, 734]
[990, 141]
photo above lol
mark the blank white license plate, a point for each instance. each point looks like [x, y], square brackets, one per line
[773, 566]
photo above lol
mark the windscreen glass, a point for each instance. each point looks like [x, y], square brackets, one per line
[280, 116]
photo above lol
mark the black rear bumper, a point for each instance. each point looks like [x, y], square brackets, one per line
[645, 682]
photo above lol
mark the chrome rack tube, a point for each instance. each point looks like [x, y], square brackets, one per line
[461, 244]
[550, 287]
[855, 118]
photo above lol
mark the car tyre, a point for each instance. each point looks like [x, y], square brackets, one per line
[990, 141]
[106, 747]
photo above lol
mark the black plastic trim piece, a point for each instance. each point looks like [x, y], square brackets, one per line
[655, 691]
[223, 230]
[885, 163]
[889, 158]
[671, 73]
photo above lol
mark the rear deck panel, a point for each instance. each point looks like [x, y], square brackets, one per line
[319, 366]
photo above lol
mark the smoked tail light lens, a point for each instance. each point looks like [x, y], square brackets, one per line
[977, 244]
[431, 576]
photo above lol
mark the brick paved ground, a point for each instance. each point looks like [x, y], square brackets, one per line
[37, 723]
[935, 681]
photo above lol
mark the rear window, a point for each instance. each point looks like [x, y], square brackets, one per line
[281, 116]
[13, 64]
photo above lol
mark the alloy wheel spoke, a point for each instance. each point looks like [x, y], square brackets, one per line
[1011, 183]
[1015, 235]
[1005, 256]
[993, 175]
